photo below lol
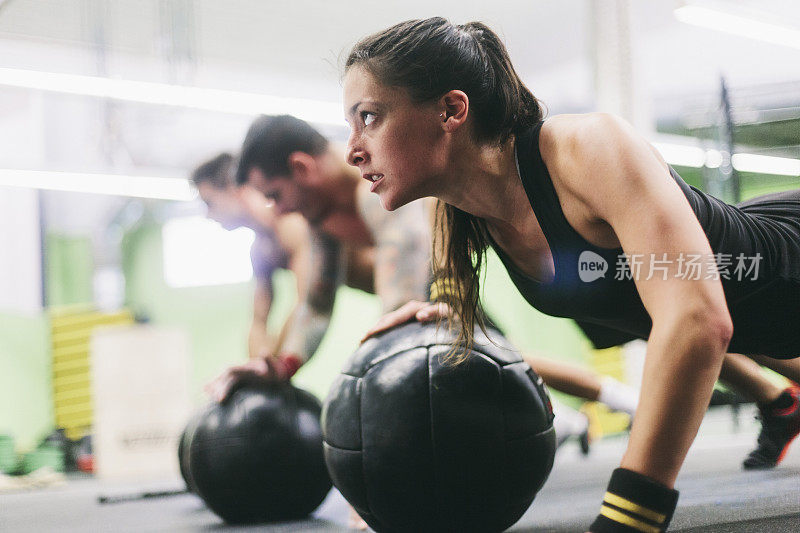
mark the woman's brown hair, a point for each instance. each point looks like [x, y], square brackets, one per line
[428, 58]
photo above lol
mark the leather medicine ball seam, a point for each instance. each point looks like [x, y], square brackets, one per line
[385, 358]
[436, 473]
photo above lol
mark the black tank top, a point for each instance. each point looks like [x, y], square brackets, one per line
[756, 244]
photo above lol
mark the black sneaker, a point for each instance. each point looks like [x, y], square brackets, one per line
[779, 427]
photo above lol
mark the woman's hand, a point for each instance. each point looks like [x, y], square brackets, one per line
[256, 371]
[413, 310]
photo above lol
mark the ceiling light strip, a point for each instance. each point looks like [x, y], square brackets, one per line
[316, 111]
[691, 156]
[114, 184]
[742, 26]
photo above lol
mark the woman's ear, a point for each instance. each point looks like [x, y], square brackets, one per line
[454, 106]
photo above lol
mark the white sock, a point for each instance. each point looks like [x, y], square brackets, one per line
[567, 421]
[618, 396]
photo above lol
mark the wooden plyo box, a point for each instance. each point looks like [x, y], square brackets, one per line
[140, 392]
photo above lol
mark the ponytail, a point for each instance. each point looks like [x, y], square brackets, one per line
[428, 58]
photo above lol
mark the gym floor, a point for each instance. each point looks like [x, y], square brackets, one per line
[716, 495]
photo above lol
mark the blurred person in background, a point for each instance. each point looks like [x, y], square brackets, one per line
[281, 241]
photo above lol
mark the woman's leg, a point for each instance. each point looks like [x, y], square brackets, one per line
[582, 383]
[569, 379]
[789, 368]
[745, 376]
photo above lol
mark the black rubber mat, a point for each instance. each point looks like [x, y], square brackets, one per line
[716, 495]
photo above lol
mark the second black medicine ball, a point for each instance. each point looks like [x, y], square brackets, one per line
[184, 443]
[415, 444]
[183, 455]
[257, 457]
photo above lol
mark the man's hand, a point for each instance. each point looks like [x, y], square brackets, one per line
[256, 371]
[413, 310]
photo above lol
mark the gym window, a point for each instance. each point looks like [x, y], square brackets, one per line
[199, 252]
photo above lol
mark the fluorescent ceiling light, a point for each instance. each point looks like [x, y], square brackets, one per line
[136, 186]
[681, 155]
[691, 156]
[316, 111]
[765, 164]
[744, 26]
[713, 158]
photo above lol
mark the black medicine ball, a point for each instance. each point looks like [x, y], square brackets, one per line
[183, 447]
[257, 457]
[417, 444]
[183, 456]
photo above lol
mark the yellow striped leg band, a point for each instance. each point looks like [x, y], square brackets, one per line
[635, 504]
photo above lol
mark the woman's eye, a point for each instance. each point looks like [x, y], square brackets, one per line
[367, 117]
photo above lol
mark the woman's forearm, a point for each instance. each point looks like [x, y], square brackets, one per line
[683, 361]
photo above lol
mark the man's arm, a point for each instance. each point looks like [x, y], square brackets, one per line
[306, 331]
[314, 315]
[402, 249]
[294, 237]
[259, 342]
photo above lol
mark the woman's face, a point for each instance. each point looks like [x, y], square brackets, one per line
[397, 144]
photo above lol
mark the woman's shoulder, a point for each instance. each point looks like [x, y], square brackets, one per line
[585, 154]
[581, 141]
[569, 128]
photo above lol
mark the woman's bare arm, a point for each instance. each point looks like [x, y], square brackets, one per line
[600, 161]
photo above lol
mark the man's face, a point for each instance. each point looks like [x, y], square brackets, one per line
[293, 194]
[223, 205]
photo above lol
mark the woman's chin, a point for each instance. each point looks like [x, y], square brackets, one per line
[392, 199]
[390, 202]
